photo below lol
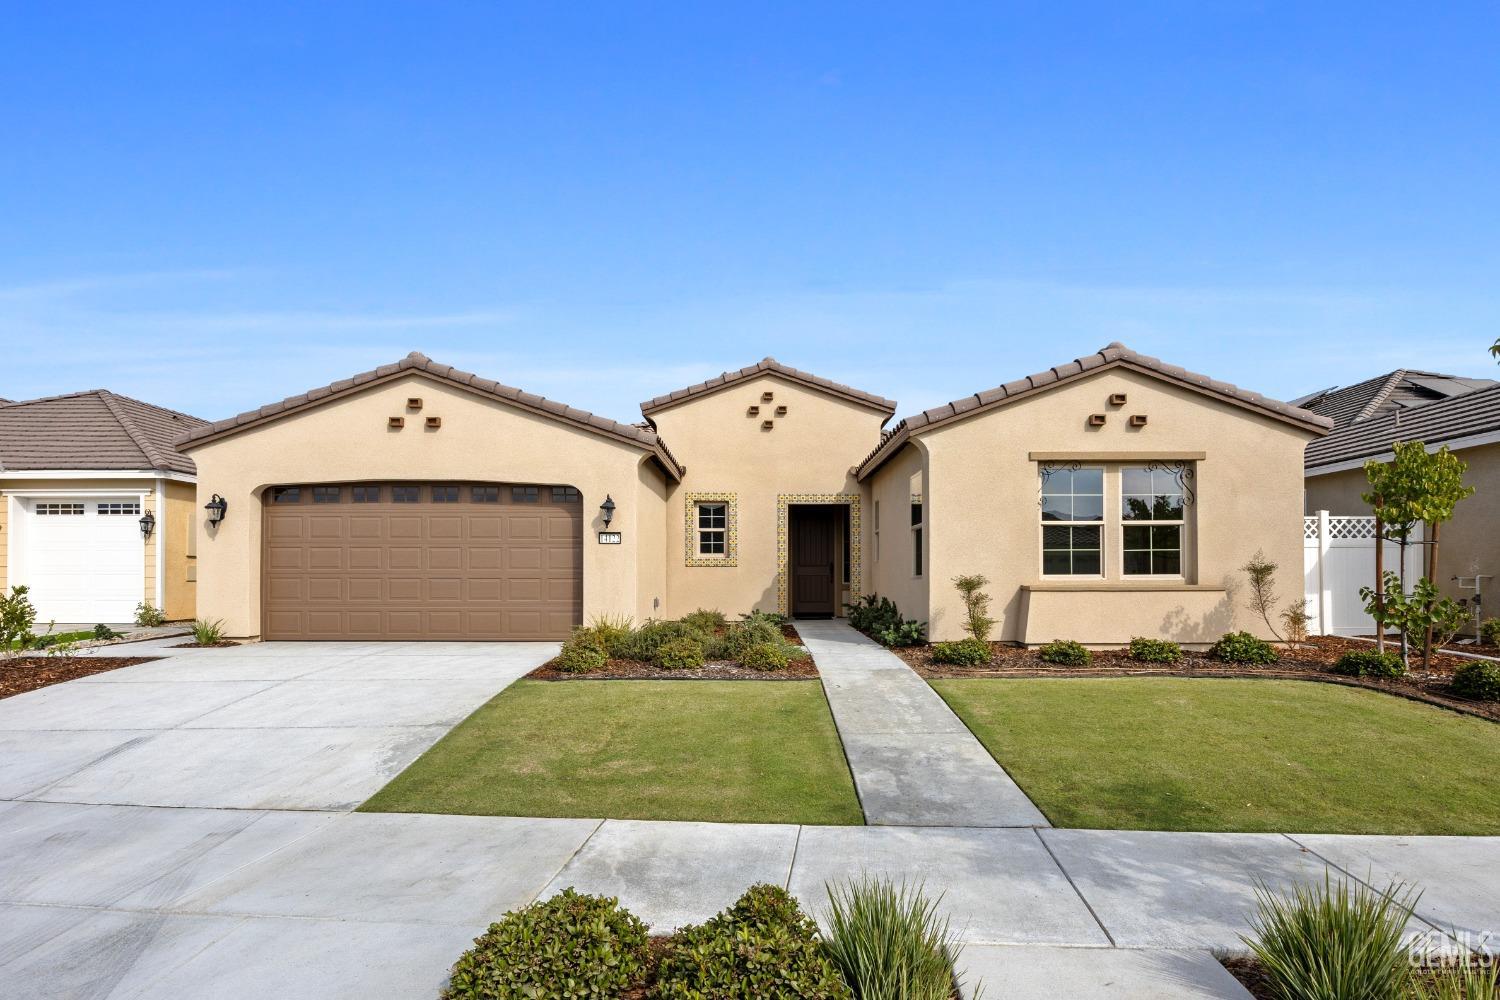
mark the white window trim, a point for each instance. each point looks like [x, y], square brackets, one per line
[1102, 524]
[699, 530]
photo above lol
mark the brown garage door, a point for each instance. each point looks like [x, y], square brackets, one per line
[422, 561]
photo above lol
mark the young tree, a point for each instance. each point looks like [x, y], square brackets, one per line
[978, 622]
[1263, 597]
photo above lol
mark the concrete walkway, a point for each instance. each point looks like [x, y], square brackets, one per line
[914, 762]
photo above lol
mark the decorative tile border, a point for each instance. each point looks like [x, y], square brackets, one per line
[731, 529]
[783, 547]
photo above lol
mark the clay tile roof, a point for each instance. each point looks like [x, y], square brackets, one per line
[417, 362]
[1435, 423]
[97, 429]
[1115, 354]
[771, 366]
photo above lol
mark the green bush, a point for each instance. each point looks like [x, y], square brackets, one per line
[646, 640]
[1370, 664]
[766, 656]
[889, 942]
[1242, 647]
[105, 632]
[148, 615]
[580, 655]
[611, 633]
[740, 636]
[878, 618]
[1333, 942]
[1479, 680]
[1490, 632]
[17, 616]
[965, 652]
[774, 617]
[206, 633]
[1154, 650]
[977, 620]
[1468, 979]
[572, 945]
[1066, 652]
[679, 654]
[762, 946]
[705, 621]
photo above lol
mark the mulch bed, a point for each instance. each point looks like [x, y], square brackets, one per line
[27, 673]
[801, 669]
[1252, 975]
[222, 643]
[1309, 661]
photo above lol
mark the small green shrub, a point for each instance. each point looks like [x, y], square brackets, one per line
[889, 941]
[774, 617]
[762, 946]
[580, 655]
[17, 617]
[1333, 942]
[977, 620]
[103, 632]
[1489, 632]
[969, 652]
[878, 618]
[742, 635]
[1066, 652]
[148, 615]
[1154, 650]
[705, 621]
[679, 654]
[1370, 664]
[765, 656]
[906, 632]
[1242, 647]
[206, 633]
[610, 633]
[572, 945]
[1479, 680]
[646, 640]
[1468, 979]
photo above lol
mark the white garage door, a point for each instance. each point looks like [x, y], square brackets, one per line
[85, 558]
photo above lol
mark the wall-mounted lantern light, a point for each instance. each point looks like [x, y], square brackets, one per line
[148, 524]
[607, 509]
[216, 508]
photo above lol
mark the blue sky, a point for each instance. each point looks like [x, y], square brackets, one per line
[211, 206]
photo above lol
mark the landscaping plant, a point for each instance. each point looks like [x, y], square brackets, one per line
[1263, 596]
[1467, 979]
[977, 620]
[1296, 619]
[1154, 650]
[1489, 632]
[705, 621]
[104, 632]
[740, 636]
[646, 640]
[762, 946]
[765, 656]
[889, 941]
[572, 945]
[1421, 614]
[580, 655]
[1334, 941]
[1066, 652]
[964, 653]
[148, 615]
[1479, 680]
[207, 633]
[17, 616]
[610, 633]
[878, 618]
[1371, 664]
[683, 653]
[1242, 647]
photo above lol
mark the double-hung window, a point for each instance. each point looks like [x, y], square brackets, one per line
[1073, 522]
[1151, 521]
[713, 530]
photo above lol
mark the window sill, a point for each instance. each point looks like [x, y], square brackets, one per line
[1121, 585]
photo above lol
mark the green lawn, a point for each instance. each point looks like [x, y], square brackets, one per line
[1202, 754]
[730, 751]
[60, 637]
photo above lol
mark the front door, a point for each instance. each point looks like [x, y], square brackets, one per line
[814, 531]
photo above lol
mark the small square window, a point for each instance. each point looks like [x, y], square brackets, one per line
[118, 509]
[404, 494]
[523, 494]
[286, 494]
[445, 494]
[367, 494]
[564, 494]
[327, 494]
[485, 494]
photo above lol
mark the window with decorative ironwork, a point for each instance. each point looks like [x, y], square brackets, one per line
[1072, 521]
[1153, 501]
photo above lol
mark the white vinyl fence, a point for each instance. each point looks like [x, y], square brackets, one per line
[1338, 558]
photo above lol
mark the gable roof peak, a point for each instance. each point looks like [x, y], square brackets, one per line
[93, 429]
[770, 365]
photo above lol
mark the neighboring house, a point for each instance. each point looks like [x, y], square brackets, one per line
[1462, 413]
[1110, 497]
[77, 475]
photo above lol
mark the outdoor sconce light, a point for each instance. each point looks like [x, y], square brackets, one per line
[216, 508]
[148, 524]
[607, 509]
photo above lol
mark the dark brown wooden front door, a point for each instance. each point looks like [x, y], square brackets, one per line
[814, 531]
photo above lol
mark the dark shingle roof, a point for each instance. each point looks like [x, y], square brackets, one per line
[1442, 422]
[97, 429]
[774, 367]
[420, 363]
[1112, 356]
[1404, 388]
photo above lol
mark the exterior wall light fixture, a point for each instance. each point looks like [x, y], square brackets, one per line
[216, 508]
[607, 509]
[148, 524]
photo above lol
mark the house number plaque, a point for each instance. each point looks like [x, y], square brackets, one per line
[610, 537]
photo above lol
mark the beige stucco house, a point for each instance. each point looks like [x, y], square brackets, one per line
[1436, 409]
[1110, 497]
[97, 507]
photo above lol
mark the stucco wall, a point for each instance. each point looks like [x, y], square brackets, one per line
[347, 440]
[892, 574]
[809, 451]
[984, 516]
[180, 592]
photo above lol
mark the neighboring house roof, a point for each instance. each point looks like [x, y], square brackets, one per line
[419, 363]
[97, 429]
[1404, 388]
[1448, 421]
[1115, 355]
[770, 366]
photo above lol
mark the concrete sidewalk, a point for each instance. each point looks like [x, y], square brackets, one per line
[914, 762]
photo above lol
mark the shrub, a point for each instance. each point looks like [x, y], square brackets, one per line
[762, 946]
[977, 620]
[740, 636]
[571, 945]
[774, 617]
[1489, 632]
[889, 942]
[878, 618]
[610, 633]
[148, 615]
[1370, 664]
[1154, 650]
[1296, 619]
[1242, 647]
[965, 652]
[206, 633]
[705, 621]
[17, 616]
[1066, 652]
[105, 632]
[1333, 942]
[766, 656]
[679, 654]
[1467, 979]
[646, 640]
[580, 655]
[1479, 680]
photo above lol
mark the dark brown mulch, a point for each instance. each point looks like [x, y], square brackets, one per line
[1309, 661]
[636, 670]
[222, 643]
[27, 673]
[1251, 975]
